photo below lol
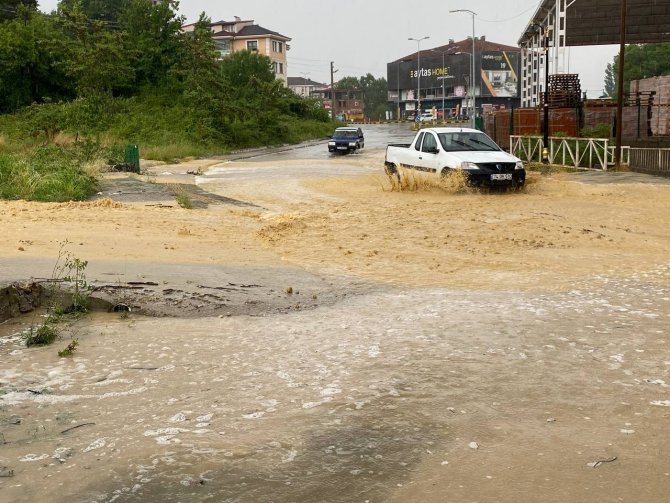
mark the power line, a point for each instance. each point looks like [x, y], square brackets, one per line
[510, 18]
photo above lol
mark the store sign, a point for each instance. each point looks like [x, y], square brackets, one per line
[496, 74]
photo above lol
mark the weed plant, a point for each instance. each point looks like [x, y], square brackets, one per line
[69, 349]
[184, 200]
[67, 269]
[71, 269]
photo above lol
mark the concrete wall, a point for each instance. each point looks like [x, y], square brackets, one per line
[16, 299]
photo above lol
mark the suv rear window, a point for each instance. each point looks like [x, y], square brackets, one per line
[346, 133]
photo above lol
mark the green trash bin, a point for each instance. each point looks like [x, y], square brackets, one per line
[131, 157]
[479, 123]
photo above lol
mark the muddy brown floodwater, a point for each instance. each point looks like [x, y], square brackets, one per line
[319, 338]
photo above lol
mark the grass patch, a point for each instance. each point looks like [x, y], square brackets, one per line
[44, 335]
[547, 169]
[182, 196]
[48, 174]
[184, 200]
[172, 152]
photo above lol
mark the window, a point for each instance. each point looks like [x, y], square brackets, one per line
[252, 45]
[224, 47]
[278, 67]
[429, 143]
[277, 46]
[417, 145]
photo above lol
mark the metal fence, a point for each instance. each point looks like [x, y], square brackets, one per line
[650, 160]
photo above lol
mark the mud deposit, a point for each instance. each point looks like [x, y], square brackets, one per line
[333, 341]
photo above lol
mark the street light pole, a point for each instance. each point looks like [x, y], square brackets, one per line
[443, 79]
[474, 107]
[397, 81]
[418, 71]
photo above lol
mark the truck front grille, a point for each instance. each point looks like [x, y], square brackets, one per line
[498, 167]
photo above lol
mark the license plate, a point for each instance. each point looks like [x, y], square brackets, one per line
[502, 176]
[342, 148]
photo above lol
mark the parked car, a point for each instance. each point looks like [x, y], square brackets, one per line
[441, 150]
[346, 139]
[426, 117]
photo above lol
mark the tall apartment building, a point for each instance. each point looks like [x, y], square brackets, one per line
[238, 35]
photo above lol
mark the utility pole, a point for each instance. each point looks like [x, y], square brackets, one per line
[619, 91]
[333, 108]
[545, 126]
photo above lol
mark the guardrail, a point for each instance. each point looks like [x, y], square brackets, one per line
[585, 153]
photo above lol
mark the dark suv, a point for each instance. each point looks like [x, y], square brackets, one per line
[346, 139]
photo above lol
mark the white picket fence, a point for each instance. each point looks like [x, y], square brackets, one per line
[585, 153]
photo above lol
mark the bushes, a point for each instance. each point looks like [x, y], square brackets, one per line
[50, 173]
[600, 131]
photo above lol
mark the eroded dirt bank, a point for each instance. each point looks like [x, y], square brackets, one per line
[433, 346]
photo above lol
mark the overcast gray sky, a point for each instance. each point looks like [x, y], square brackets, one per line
[362, 36]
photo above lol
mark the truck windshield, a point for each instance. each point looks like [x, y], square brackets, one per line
[345, 134]
[458, 142]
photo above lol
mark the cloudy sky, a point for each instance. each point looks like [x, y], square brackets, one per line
[362, 36]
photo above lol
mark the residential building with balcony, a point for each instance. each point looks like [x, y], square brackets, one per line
[239, 35]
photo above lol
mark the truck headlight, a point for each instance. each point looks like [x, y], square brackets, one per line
[331, 143]
[519, 165]
[352, 143]
[469, 165]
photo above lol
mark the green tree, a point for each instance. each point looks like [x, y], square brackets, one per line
[642, 61]
[11, 9]
[348, 84]
[154, 38]
[98, 60]
[373, 91]
[375, 94]
[33, 56]
[250, 83]
[104, 10]
[610, 80]
[199, 73]
[246, 70]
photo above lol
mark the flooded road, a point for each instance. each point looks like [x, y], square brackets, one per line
[377, 399]
[516, 351]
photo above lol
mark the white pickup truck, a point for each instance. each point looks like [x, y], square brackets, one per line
[439, 150]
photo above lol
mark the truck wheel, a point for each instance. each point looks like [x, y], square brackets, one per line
[390, 169]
